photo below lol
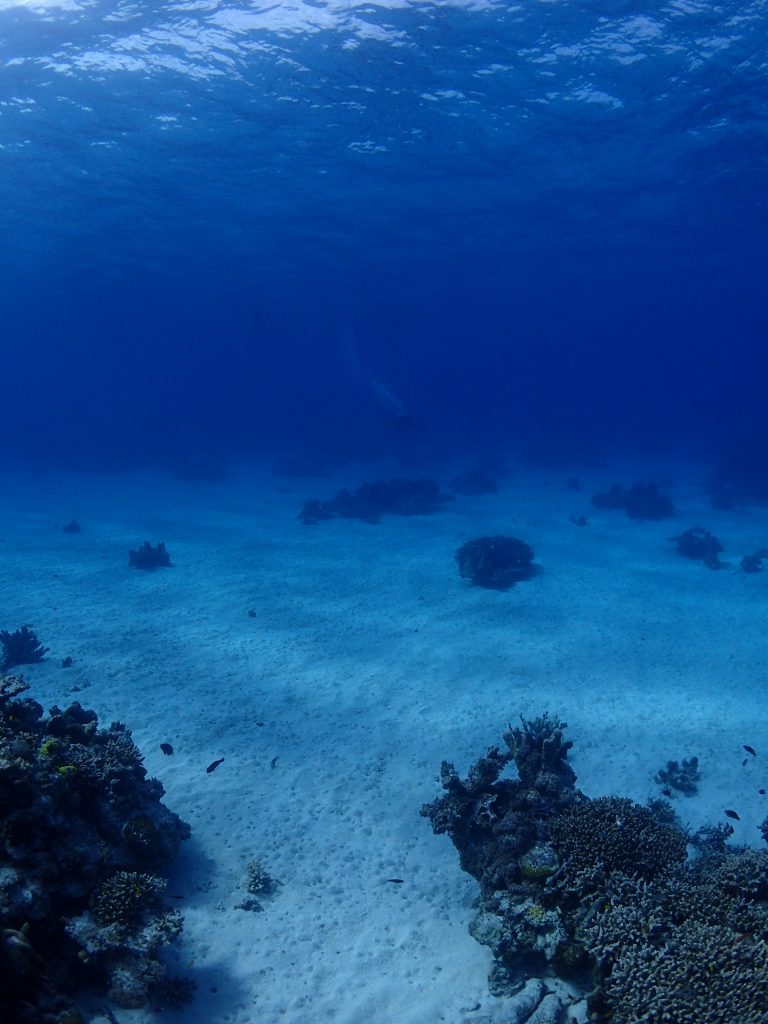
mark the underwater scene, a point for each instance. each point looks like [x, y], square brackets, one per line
[384, 521]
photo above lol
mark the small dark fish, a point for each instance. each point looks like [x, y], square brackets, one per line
[273, 762]
[214, 765]
[744, 761]
[260, 724]
[750, 750]
[761, 792]
[397, 881]
[166, 748]
[732, 814]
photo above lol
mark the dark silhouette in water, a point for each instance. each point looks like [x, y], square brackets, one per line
[373, 500]
[149, 557]
[21, 647]
[700, 545]
[373, 382]
[495, 562]
[640, 501]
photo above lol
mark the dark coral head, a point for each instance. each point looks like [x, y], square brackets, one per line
[496, 562]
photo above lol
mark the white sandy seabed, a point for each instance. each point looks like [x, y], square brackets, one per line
[333, 668]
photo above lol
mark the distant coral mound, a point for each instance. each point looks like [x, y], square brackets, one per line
[700, 545]
[149, 557]
[482, 478]
[741, 476]
[495, 562]
[400, 497]
[640, 501]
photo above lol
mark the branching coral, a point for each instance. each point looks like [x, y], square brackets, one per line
[21, 647]
[615, 834]
[149, 557]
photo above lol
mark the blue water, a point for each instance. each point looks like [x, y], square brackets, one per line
[414, 228]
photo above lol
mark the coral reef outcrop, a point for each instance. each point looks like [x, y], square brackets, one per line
[602, 894]
[495, 562]
[148, 556]
[400, 497]
[83, 833]
[700, 545]
[642, 500]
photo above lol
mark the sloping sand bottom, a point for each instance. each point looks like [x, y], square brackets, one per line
[333, 668]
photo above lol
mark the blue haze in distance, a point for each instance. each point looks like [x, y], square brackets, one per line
[261, 227]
